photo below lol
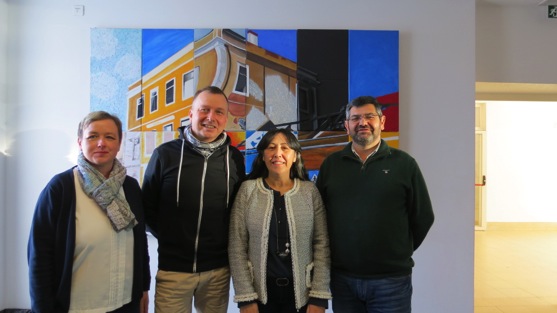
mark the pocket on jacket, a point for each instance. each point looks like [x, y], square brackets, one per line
[309, 274]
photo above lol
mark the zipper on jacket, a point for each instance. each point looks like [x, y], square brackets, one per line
[200, 214]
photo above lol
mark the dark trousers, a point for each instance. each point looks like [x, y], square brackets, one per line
[280, 297]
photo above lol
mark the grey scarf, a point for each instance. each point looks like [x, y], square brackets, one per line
[205, 148]
[106, 192]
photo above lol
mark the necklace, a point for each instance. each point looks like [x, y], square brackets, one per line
[286, 252]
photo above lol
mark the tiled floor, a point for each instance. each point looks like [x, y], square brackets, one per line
[516, 271]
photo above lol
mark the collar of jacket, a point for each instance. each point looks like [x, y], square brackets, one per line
[181, 136]
[383, 151]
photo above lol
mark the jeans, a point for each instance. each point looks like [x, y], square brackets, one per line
[382, 295]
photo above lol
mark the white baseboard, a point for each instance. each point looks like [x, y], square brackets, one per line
[521, 226]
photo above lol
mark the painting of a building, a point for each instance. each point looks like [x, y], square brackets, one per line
[161, 100]
[296, 79]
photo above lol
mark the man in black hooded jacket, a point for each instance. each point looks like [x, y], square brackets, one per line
[188, 189]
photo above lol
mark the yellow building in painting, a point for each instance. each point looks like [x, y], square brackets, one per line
[161, 100]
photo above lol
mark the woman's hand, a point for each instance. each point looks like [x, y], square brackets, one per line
[250, 308]
[315, 309]
[144, 303]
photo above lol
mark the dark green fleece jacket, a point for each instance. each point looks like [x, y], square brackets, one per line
[378, 212]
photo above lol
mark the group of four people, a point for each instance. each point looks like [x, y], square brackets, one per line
[289, 244]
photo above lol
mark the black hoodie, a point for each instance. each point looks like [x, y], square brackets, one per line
[191, 225]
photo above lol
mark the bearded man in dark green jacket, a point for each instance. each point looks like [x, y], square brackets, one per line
[378, 212]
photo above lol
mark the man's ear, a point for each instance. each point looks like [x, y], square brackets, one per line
[383, 119]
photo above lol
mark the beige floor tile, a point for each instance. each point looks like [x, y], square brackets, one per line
[527, 309]
[515, 271]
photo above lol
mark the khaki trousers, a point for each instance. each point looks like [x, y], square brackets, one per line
[209, 291]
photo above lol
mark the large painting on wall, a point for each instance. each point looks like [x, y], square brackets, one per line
[298, 79]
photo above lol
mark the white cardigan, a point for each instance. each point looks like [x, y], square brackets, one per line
[249, 238]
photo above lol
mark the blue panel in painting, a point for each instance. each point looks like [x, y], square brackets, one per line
[313, 175]
[160, 44]
[373, 63]
[281, 42]
[252, 139]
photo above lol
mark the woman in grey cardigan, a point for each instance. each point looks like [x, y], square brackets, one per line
[278, 246]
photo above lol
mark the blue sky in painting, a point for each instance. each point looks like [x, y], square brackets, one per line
[279, 41]
[373, 63]
[160, 44]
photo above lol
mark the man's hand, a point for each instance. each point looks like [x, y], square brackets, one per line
[315, 309]
[250, 308]
[144, 303]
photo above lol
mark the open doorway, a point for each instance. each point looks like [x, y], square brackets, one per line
[516, 127]
[514, 257]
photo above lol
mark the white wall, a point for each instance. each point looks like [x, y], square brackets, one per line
[3, 111]
[515, 44]
[521, 168]
[49, 87]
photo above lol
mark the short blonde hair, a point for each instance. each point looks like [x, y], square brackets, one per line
[99, 116]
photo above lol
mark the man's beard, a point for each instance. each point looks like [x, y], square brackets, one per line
[363, 140]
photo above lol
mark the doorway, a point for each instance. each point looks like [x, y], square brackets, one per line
[515, 127]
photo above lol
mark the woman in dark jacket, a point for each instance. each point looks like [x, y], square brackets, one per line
[87, 248]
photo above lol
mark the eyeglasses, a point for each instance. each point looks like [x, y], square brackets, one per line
[366, 117]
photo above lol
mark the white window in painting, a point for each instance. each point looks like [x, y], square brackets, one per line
[170, 92]
[168, 128]
[189, 83]
[140, 111]
[241, 86]
[154, 100]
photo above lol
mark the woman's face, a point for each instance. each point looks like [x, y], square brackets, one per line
[100, 144]
[278, 156]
